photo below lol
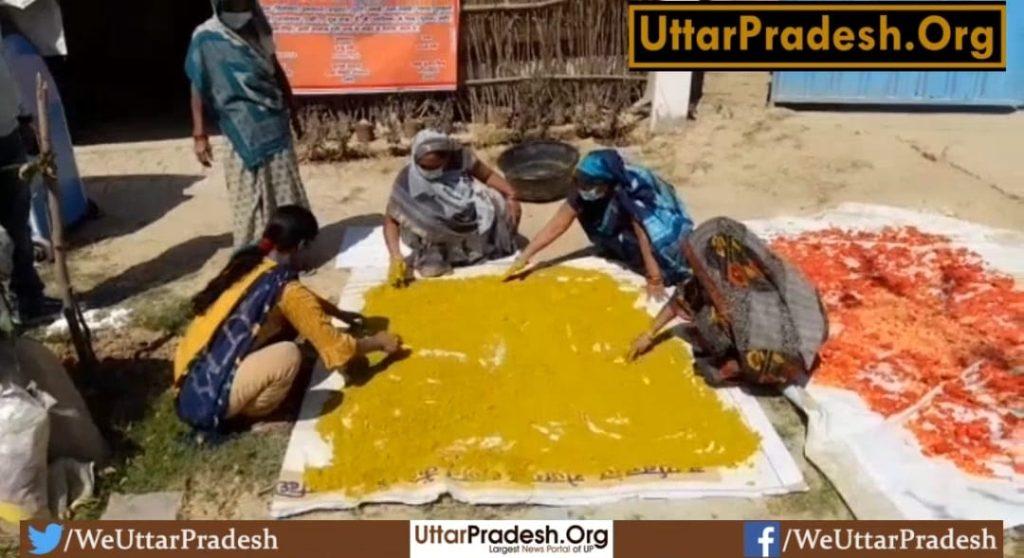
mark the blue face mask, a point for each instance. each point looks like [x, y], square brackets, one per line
[592, 194]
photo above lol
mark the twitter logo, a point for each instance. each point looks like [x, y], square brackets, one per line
[43, 542]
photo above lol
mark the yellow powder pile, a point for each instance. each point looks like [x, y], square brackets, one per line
[524, 382]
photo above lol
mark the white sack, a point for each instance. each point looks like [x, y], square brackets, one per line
[24, 434]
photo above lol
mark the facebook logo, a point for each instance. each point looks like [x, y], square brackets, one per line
[761, 539]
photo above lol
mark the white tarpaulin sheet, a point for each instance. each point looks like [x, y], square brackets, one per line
[873, 461]
[772, 470]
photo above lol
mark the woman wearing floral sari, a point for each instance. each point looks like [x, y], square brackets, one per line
[756, 318]
[235, 76]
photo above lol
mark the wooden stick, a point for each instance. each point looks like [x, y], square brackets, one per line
[77, 327]
[508, 6]
[517, 79]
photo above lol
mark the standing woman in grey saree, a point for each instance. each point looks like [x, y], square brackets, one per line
[450, 208]
[235, 76]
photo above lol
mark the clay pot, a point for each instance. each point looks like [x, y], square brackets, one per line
[364, 131]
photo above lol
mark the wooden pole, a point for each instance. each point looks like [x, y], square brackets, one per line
[509, 6]
[77, 327]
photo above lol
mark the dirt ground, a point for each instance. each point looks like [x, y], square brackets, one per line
[165, 230]
[166, 224]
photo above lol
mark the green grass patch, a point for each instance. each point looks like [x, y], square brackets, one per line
[157, 454]
[164, 313]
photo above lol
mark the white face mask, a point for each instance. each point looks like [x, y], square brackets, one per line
[236, 20]
[593, 194]
[432, 174]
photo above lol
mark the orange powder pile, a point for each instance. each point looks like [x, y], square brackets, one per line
[920, 327]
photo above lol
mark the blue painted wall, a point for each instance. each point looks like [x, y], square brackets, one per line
[996, 89]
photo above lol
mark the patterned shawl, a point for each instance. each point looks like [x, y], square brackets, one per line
[236, 77]
[205, 392]
[642, 196]
[753, 306]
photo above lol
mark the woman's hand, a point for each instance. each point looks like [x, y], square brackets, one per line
[200, 139]
[515, 210]
[640, 346]
[556, 227]
[656, 290]
[388, 343]
[383, 341]
[203, 150]
[398, 273]
[516, 268]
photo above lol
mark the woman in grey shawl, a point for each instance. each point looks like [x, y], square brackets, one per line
[450, 208]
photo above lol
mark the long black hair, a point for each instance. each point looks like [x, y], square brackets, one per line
[289, 227]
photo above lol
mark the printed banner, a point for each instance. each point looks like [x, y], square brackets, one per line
[366, 46]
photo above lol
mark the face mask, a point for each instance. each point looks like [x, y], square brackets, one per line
[236, 20]
[432, 174]
[592, 194]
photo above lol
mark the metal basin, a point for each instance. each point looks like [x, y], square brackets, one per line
[540, 171]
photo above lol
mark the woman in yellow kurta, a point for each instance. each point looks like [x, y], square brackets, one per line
[236, 359]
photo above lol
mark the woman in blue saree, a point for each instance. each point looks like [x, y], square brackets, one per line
[629, 213]
[236, 77]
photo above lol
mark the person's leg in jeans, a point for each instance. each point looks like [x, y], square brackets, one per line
[15, 204]
[263, 380]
